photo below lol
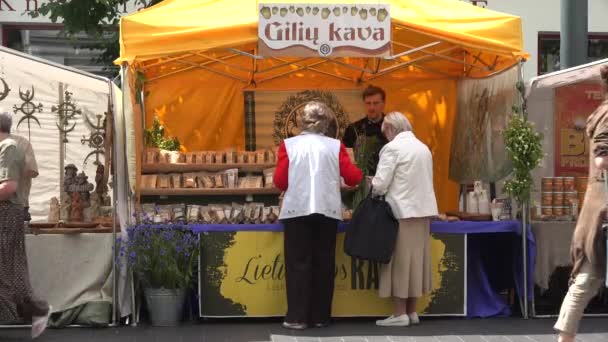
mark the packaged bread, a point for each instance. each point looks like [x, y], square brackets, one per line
[162, 157]
[218, 180]
[191, 158]
[268, 177]
[209, 158]
[176, 180]
[251, 157]
[148, 210]
[231, 157]
[178, 212]
[189, 180]
[200, 157]
[165, 212]
[266, 215]
[241, 157]
[237, 216]
[151, 155]
[256, 215]
[219, 157]
[205, 180]
[271, 157]
[163, 182]
[149, 181]
[260, 157]
[274, 214]
[193, 213]
[206, 216]
[232, 178]
[218, 212]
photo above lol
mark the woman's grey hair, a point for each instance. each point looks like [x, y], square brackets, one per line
[315, 118]
[6, 122]
[397, 121]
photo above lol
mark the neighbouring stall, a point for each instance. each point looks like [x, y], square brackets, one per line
[559, 103]
[66, 115]
[214, 86]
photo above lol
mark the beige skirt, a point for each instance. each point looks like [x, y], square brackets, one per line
[408, 274]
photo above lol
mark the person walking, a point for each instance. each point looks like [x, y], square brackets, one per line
[17, 299]
[588, 247]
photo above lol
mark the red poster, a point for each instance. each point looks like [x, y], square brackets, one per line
[573, 104]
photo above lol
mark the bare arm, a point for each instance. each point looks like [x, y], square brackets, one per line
[7, 189]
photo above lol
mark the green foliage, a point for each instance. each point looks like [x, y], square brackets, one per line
[155, 137]
[161, 257]
[524, 149]
[97, 18]
[364, 150]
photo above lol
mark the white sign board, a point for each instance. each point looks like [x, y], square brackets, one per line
[326, 30]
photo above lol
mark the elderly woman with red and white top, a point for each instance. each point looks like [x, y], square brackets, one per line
[308, 170]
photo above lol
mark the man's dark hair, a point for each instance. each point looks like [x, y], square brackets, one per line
[373, 90]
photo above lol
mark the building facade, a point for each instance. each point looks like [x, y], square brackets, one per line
[39, 36]
[541, 26]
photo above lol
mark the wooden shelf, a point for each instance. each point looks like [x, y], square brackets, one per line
[209, 192]
[182, 167]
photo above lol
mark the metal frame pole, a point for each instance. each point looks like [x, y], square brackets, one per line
[524, 239]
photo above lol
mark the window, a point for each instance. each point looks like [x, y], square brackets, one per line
[549, 44]
[46, 41]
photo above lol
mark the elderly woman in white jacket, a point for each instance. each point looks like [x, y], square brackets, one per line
[405, 177]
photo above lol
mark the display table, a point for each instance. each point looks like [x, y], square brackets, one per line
[552, 249]
[70, 270]
[242, 272]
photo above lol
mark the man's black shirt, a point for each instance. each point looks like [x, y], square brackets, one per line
[368, 128]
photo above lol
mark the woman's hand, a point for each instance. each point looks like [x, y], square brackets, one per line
[601, 163]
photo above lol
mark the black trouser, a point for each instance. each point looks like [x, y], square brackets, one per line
[310, 259]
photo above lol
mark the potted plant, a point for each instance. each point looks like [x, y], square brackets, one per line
[163, 259]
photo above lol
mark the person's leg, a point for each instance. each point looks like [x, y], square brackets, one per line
[324, 264]
[298, 275]
[411, 310]
[585, 287]
[401, 306]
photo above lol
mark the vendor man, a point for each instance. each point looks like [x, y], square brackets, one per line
[30, 171]
[369, 127]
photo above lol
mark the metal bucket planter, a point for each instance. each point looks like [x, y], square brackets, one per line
[165, 306]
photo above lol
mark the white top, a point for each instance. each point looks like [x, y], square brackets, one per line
[405, 177]
[314, 177]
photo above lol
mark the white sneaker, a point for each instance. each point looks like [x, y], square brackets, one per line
[39, 323]
[392, 321]
[414, 319]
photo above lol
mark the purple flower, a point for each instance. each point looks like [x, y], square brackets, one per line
[163, 252]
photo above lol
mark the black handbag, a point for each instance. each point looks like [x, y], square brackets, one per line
[372, 232]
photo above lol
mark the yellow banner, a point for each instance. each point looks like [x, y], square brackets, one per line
[243, 274]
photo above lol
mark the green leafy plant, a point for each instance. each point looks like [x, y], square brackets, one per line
[161, 256]
[524, 149]
[155, 137]
[364, 150]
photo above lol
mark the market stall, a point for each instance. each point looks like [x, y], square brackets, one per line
[202, 71]
[63, 113]
[559, 103]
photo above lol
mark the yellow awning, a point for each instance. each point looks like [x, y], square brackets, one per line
[179, 26]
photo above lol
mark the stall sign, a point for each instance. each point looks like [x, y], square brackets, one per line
[336, 30]
[242, 274]
[573, 105]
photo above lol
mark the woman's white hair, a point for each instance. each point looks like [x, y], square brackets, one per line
[397, 121]
[315, 118]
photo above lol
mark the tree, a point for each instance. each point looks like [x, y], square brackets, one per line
[97, 18]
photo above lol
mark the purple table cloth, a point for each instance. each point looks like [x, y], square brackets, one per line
[494, 262]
